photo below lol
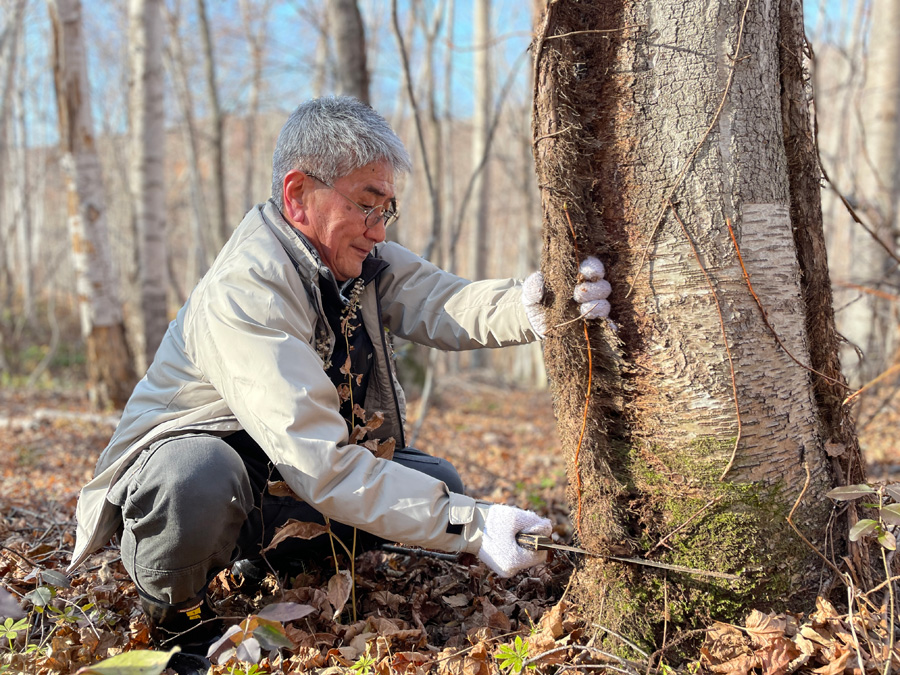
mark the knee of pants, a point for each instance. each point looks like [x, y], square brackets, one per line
[183, 512]
[436, 467]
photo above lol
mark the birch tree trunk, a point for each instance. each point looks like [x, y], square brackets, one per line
[147, 116]
[700, 430]
[218, 206]
[346, 26]
[111, 375]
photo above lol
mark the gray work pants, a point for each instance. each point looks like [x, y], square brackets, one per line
[191, 505]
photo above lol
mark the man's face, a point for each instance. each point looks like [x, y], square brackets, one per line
[336, 227]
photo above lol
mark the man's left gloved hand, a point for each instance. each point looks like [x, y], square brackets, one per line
[591, 294]
[499, 549]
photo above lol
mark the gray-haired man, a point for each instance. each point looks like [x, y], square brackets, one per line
[268, 366]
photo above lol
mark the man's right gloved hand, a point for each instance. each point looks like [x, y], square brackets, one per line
[499, 549]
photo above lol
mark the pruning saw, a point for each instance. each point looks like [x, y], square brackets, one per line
[537, 542]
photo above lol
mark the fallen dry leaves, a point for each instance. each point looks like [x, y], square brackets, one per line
[416, 614]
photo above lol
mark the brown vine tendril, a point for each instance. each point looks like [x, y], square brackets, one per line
[765, 317]
[587, 393]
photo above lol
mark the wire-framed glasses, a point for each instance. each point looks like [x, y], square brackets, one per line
[374, 215]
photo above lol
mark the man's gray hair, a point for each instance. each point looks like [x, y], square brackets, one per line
[332, 136]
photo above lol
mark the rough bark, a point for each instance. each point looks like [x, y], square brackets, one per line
[650, 139]
[147, 116]
[347, 30]
[111, 375]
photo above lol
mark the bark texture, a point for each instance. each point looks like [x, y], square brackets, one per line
[651, 135]
[111, 374]
[346, 26]
[147, 117]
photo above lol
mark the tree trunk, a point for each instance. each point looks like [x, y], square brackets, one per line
[147, 116]
[198, 258]
[218, 206]
[111, 375]
[346, 26]
[878, 175]
[650, 139]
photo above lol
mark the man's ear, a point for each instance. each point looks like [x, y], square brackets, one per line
[294, 197]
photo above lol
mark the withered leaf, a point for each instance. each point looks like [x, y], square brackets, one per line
[765, 628]
[458, 600]
[296, 529]
[345, 369]
[278, 488]
[339, 587]
[493, 616]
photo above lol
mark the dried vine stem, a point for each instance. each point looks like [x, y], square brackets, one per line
[587, 393]
[712, 289]
[690, 160]
[765, 316]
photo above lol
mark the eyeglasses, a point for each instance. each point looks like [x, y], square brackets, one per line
[374, 215]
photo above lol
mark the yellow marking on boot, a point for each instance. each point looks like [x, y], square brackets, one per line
[194, 613]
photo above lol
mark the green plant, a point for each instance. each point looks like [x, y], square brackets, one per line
[514, 657]
[11, 629]
[254, 669]
[888, 515]
[364, 663]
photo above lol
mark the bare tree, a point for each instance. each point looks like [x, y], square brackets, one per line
[218, 205]
[255, 17]
[198, 258]
[707, 426]
[346, 26]
[147, 117]
[111, 374]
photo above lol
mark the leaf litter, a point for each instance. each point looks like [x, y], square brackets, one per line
[416, 614]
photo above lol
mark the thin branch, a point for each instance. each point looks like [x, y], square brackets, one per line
[598, 31]
[872, 383]
[790, 522]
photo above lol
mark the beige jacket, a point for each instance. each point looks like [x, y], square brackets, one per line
[242, 354]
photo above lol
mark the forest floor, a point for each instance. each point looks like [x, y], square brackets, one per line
[406, 613]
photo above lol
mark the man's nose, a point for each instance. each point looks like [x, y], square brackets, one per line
[377, 233]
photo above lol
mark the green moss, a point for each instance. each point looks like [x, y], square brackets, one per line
[742, 528]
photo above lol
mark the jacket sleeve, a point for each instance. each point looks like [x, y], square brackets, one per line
[427, 305]
[253, 341]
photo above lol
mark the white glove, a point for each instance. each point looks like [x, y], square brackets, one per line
[499, 549]
[592, 294]
[532, 294]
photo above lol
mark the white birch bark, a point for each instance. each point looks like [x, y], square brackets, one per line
[147, 116]
[110, 369]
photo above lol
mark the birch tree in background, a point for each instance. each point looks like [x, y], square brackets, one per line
[218, 212]
[111, 374]
[481, 122]
[878, 176]
[347, 30]
[147, 116]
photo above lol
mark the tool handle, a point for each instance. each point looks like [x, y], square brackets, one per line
[530, 542]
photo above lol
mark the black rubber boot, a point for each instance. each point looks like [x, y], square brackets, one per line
[193, 625]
